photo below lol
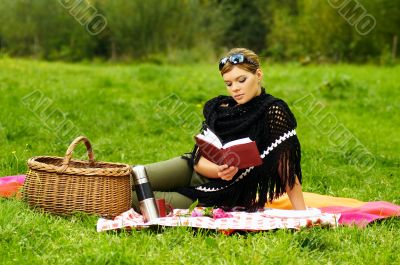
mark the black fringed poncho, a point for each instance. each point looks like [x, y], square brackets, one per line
[270, 123]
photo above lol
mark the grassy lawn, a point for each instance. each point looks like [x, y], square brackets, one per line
[136, 114]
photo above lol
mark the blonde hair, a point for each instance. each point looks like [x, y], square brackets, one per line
[249, 67]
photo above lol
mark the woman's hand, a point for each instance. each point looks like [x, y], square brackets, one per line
[211, 170]
[226, 172]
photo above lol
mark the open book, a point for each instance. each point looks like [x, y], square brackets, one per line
[242, 153]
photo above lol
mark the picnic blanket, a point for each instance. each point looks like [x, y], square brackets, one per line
[268, 219]
[349, 211]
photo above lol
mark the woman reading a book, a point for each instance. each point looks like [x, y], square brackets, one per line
[248, 111]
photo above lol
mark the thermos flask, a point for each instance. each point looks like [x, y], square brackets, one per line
[147, 203]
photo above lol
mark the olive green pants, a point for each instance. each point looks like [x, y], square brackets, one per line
[167, 175]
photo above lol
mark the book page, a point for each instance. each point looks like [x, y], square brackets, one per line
[211, 138]
[238, 141]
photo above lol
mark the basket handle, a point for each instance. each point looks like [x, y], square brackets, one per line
[70, 150]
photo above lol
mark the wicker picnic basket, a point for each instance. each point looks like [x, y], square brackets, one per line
[64, 185]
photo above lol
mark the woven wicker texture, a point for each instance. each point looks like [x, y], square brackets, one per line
[64, 185]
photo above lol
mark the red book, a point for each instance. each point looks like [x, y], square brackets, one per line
[242, 153]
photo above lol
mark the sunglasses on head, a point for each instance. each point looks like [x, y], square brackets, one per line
[235, 59]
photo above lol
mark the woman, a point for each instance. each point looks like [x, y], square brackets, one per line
[247, 112]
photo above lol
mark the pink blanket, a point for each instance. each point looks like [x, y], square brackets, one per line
[9, 186]
[365, 214]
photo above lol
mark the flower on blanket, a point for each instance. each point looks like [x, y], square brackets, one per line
[219, 213]
[215, 213]
[210, 212]
[199, 211]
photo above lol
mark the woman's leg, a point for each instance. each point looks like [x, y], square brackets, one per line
[175, 199]
[167, 175]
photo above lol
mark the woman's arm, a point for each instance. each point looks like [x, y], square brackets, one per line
[296, 196]
[211, 170]
[295, 193]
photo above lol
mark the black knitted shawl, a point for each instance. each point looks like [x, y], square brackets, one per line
[270, 123]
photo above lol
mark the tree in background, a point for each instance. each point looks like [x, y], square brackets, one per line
[194, 30]
[141, 28]
[135, 29]
[42, 29]
[246, 26]
[316, 30]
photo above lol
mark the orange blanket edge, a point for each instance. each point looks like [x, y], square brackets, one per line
[315, 200]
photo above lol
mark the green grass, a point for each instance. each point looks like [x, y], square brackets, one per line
[127, 111]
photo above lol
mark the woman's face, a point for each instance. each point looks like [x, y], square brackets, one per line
[243, 85]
